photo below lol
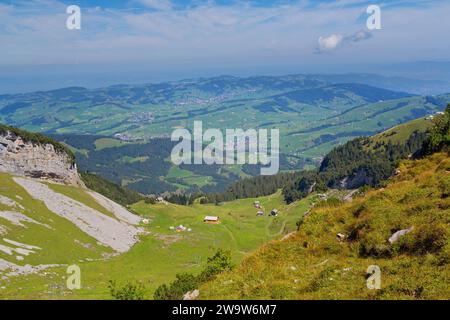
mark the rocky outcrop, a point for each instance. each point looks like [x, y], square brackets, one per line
[36, 160]
[191, 295]
[397, 235]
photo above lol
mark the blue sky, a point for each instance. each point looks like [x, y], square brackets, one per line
[139, 40]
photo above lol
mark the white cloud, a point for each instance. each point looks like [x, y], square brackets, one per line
[330, 43]
[336, 40]
[237, 34]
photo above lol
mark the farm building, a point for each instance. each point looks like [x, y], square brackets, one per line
[211, 219]
[274, 212]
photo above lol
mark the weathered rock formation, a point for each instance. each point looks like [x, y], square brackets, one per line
[36, 160]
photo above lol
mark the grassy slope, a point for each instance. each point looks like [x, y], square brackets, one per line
[314, 265]
[57, 242]
[401, 133]
[163, 252]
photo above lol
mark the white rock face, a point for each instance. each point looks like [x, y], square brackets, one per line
[17, 218]
[22, 270]
[111, 232]
[120, 212]
[38, 161]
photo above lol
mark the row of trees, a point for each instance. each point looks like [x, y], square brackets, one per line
[253, 187]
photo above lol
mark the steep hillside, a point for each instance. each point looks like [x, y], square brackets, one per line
[401, 133]
[44, 225]
[47, 216]
[336, 243]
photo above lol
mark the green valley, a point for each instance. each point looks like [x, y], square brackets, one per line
[122, 132]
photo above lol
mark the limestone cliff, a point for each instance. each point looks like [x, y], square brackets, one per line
[24, 157]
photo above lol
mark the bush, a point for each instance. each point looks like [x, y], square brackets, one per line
[130, 291]
[185, 282]
[331, 202]
[439, 138]
[374, 249]
[220, 262]
[374, 245]
[427, 238]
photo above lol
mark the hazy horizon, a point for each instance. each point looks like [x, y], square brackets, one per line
[141, 41]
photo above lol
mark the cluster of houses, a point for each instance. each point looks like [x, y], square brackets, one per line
[260, 211]
[256, 204]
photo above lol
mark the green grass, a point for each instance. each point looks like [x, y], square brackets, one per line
[177, 172]
[187, 178]
[314, 264]
[400, 134]
[104, 143]
[164, 252]
[198, 180]
[128, 159]
[57, 242]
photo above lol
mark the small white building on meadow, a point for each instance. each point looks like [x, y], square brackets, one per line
[211, 219]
